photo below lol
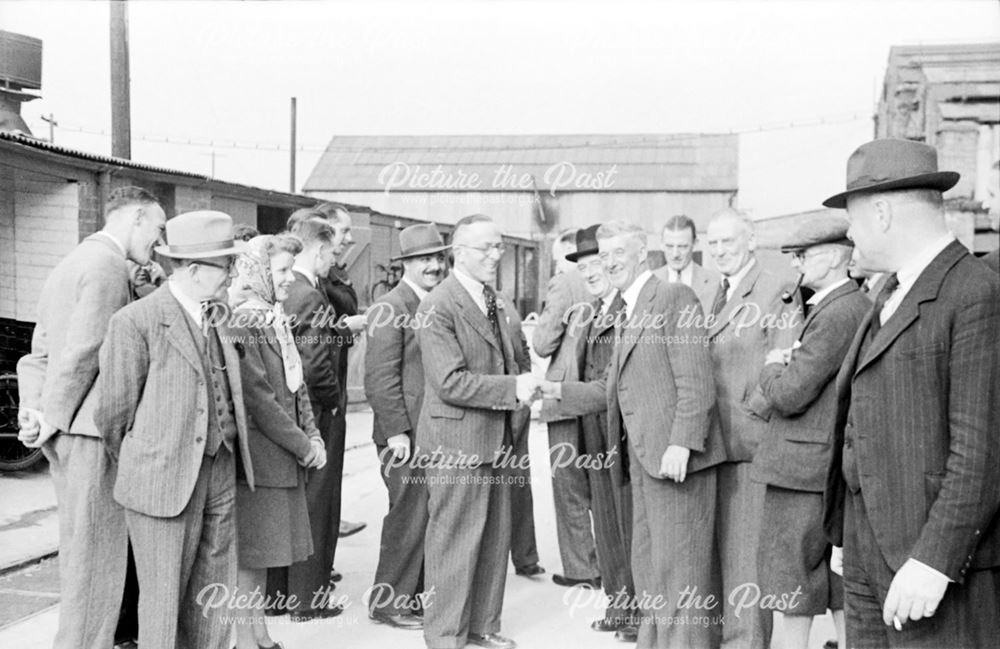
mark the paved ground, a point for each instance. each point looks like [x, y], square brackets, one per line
[537, 613]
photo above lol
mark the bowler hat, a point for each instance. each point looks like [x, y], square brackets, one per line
[816, 232]
[419, 240]
[883, 165]
[586, 243]
[200, 235]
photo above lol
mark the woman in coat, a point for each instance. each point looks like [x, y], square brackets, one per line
[272, 520]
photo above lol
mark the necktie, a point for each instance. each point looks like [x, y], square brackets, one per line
[721, 297]
[891, 284]
[491, 308]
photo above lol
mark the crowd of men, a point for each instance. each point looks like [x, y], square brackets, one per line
[728, 460]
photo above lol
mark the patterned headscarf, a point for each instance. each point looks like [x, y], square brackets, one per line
[253, 276]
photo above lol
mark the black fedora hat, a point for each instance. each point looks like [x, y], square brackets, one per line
[419, 240]
[883, 165]
[586, 243]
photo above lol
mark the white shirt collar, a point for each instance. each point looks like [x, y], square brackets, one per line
[686, 276]
[631, 294]
[473, 286]
[421, 293]
[915, 265]
[735, 280]
[309, 275]
[607, 300]
[193, 307]
[818, 296]
[114, 240]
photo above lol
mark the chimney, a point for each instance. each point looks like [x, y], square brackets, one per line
[20, 73]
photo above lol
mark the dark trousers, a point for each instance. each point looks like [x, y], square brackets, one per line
[399, 576]
[309, 580]
[967, 617]
[523, 547]
[468, 538]
[571, 493]
[672, 552]
[612, 509]
[187, 563]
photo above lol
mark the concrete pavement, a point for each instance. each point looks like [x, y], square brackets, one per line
[537, 613]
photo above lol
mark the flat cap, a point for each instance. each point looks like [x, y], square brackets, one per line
[816, 232]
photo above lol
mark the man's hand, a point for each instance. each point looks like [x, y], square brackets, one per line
[356, 322]
[400, 447]
[317, 455]
[29, 426]
[527, 388]
[551, 390]
[914, 594]
[837, 561]
[674, 463]
[310, 458]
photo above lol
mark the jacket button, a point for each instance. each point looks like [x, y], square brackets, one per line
[848, 443]
[199, 440]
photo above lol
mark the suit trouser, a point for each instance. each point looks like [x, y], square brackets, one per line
[309, 579]
[968, 616]
[571, 493]
[187, 563]
[740, 510]
[671, 555]
[468, 538]
[523, 546]
[614, 552]
[93, 541]
[400, 572]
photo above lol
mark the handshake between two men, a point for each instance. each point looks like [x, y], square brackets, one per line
[673, 463]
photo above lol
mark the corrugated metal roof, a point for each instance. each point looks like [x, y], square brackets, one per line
[657, 162]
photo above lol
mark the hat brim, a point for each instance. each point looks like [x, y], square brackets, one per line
[421, 253]
[940, 180]
[799, 247]
[238, 247]
[574, 256]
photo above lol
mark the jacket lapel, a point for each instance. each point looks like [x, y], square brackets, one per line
[733, 305]
[641, 308]
[178, 332]
[471, 312]
[837, 293]
[925, 289]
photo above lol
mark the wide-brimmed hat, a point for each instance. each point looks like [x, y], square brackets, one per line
[816, 232]
[419, 240]
[200, 235]
[586, 243]
[883, 165]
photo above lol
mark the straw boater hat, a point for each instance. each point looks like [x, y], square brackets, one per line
[200, 235]
[884, 165]
[419, 240]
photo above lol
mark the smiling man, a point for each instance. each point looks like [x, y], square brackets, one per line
[659, 397]
[677, 240]
[394, 385]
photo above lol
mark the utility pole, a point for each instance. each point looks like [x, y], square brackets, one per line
[291, 182]
[51, 119]
[121, 120]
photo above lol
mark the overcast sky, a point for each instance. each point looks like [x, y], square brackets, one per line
[224, 72]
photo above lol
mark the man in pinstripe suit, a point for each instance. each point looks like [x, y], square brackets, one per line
[170, 413]
[913, 491]
[472, 388]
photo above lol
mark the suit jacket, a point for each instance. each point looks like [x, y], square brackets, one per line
[551, 339]
[394, 370]
[520, 419]
[340, 293]
[704, 283]
[922, 407]
[153, 408]
[280, 422]
[77, 300]
[800, 400]
[314, 331]
[753, 322]
[659, 381]
[467, 394]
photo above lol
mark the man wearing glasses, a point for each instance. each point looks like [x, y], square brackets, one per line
[472, 388]
[171, 412]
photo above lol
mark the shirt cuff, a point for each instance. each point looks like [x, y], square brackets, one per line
[936, 573]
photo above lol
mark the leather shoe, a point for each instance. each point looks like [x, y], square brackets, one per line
[830, 644]
[607, 624]
[491, 641]
[347, 528]
[559, 580]
[627, 634]
[397, 620]
[317, 614]
[335, 576]
[530, 571]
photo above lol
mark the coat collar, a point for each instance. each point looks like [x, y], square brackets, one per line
[743, 289]
[631, 335]
[830, 298]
